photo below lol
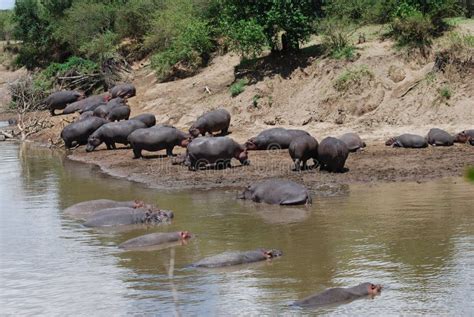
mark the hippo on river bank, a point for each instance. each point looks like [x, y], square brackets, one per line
[212, 121]
[123, 91]
[157, 138]
[78, 132]
[277, 192]
[407, 141]
[339, 295]
[103, 111]
[147, 118]
[113, 132]
[85, 209]
[236, 258]
[154, 239]
[352, 141]
[205, 152]
[60, 99]
[89, 102]
[274, 139]
[128, 216]
[332, 155]
[465, 137]
[438, 137]
[302, 149]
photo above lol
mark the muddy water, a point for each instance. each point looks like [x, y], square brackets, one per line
[415, 239]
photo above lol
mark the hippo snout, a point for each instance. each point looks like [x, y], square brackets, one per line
[246, 162]
[90, 148]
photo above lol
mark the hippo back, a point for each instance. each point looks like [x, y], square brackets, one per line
[333, 153]
[280, 192]
[352, 141]
[411, 141]
[439, 137]
[212, 149]
[277, 138]
[147, 118]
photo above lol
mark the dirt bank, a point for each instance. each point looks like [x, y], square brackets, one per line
[377, 163]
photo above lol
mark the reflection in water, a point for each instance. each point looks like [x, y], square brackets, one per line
[415, 239]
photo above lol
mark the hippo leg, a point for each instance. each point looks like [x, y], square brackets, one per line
[68, 144]
[109, 146]
[52, 112]
[305, 166]
[114, 147]
[169, 152]
[315, 163]
[137, 153]
[225, 131]
[297, 165]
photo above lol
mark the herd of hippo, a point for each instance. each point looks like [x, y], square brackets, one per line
[106, 119]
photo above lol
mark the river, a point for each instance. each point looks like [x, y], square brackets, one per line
[417, 240]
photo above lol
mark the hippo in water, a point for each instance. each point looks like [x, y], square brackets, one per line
[113, 132]
[78, 132]
[123, 91]
[438, 137]
[128, 216]
[154, 240]
[407, 141]
[274, 139]
[89, 102]
[212, 121]
[465, 137]
[277, 192]
[157, 138]
[60, 99]
[236, 258]
[332, 154]
[85, 209]
[352, 141]
[204, 152]
[147, 118]
[339, 295]
[302, 149]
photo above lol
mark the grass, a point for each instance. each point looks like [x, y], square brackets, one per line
[446, 92]
[343, 53]
[470, 174]
[352, 77]
[238, 87]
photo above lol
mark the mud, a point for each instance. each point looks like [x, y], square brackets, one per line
[377, 163]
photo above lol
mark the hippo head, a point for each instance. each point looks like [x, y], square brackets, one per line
[390, 142]
[251, 145]
[107, 97]
[80, 95]
[185, 235]
[185, 142]
[461, 137]
[273, 253]
[367, 289]
[246, 194]
[92, 143]
[242, 155]
[194, 131]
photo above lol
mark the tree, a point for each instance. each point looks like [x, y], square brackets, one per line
[292, 20]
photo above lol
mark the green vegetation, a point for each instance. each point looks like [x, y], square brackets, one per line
[445, 92]
[238, 87]
[351, 78]
[337, 37]
[7, 25]
[470, 174]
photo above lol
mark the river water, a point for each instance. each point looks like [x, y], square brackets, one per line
[415, 239]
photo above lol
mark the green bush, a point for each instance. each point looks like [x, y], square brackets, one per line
[134, 19]
[6, 25]
[238, 87]
[101, 48]
[336, 37]
[246, 37]
[191, 49]
[446, 92]
[361, 11]
[351, 78]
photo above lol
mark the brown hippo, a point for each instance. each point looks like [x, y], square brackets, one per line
[205, 152]
[438, 137]
[332, 155]
[123, 91]
[212, 121]
[302, 149]
[407, 141]
[236, 258]
[154, 239]
[465, 136]
[353, 141]
[60, 99]
[339, 295]
[277, 192]
[274, 139]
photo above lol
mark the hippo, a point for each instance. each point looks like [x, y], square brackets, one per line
[103, 110]
[352, 141]
[86, 103]
[302, 149]
[85, 209]
[274, 138]
[157, 138]
[113, 132]
[237, 258]
[339, 295]
[147, 118]
[204, 152]
[212, 121]
[277, 192]
[154, 239]
[465, 136]
[332, 154]
[85, 115]
[128, 216]
[80, 131]
[119, 113]
[407, 141]
[123, 91]
[438, 137]
[60, 99]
